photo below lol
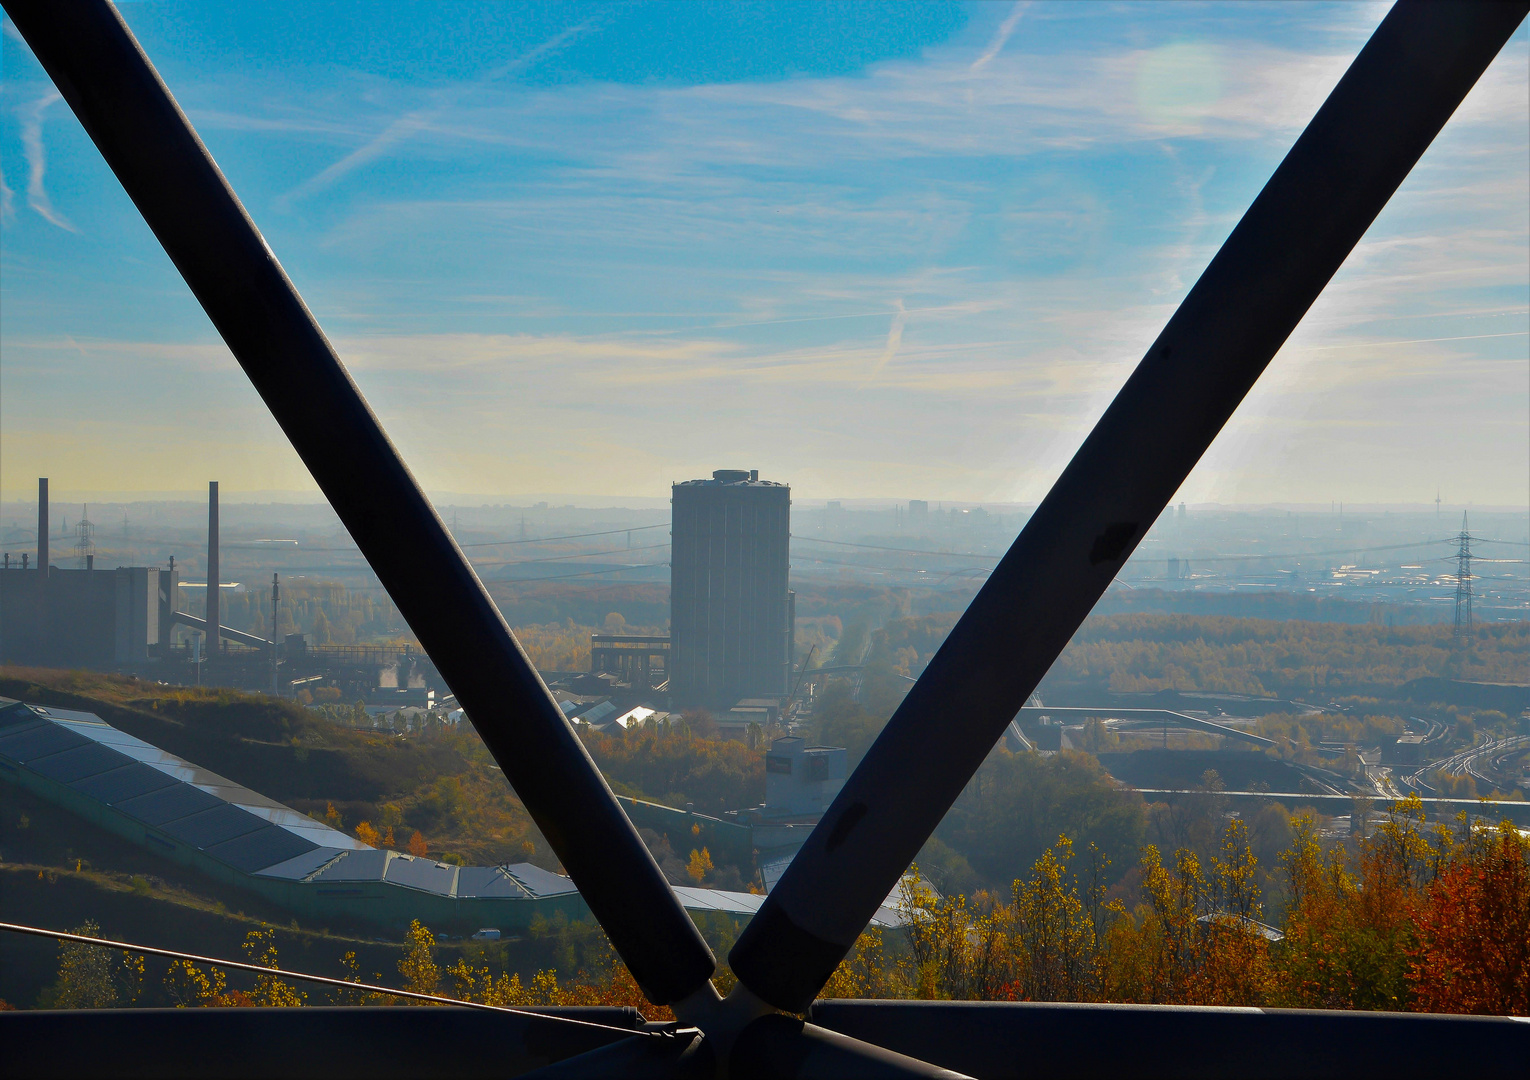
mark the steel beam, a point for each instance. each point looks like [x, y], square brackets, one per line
[134, 121]
[1016, 1041]
[1390, 104]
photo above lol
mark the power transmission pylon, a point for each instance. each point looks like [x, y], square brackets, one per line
[1464, 582]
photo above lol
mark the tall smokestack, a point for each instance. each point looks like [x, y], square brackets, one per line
[42, 525]
[212, 567]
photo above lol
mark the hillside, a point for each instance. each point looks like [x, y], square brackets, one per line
[445, 787]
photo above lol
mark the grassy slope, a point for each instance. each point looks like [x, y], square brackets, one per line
[445, 787]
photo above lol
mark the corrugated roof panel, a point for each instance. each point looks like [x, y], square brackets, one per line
[168, 804]
[266, 846]
[163, 760]
[734, 903]
[16, 714]
[298, 868]
[540, 882]
[91, 759]
[488, 881]
[237, 793]
[35, 724]
[357, 866]
[422, 874]
[107, 735]
[69, 715]
[27, 744]
[119, 785]
[213, 826]
[305, 826]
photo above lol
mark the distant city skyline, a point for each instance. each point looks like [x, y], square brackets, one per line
[879, 253]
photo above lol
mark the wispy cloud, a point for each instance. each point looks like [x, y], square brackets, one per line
[37, 161]
[411, 123]
[7, 201]
[894, 341]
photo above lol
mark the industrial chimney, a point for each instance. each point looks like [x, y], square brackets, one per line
[213, 615]
[42, 525]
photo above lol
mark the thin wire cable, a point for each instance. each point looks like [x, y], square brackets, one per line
[325, 980]
[588, 573]
[900, 550]
[528, 540]
[576, 555]
[1205, 558]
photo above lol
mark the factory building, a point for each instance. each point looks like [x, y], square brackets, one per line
[84, 616]
[731, 614]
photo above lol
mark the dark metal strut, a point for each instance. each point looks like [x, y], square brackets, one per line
[134, 121]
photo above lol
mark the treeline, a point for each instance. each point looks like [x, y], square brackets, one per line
[669, 764]
[565, 646]
[530, 603]
[1411, 918]
[1143, 653]
[1432, 919]
[95, 977]
[328, 613]
[1284, 659]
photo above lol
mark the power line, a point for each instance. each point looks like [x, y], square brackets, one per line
[531, 540]
[588, 573]
[579, 555]
[900, 550]
[570, 536]
[1205, 558]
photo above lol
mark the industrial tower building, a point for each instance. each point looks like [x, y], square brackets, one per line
[731, 615]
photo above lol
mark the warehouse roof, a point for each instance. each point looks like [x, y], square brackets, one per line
[255, 834]
[228, 821]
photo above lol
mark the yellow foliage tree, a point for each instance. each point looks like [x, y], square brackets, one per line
[188, 985]
[418, 965]
[270, 991]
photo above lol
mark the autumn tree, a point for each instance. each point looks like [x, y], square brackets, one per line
[93, 977]
[189, 985]
[418, 965]
[1472, 949]
[270, 990]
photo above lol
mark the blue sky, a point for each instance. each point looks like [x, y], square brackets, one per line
[875, 250]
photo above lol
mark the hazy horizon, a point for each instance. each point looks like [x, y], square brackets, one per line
[61, 499]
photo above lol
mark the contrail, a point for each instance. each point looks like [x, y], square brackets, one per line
[37, 161]
[995, 46]
[7, 201]
[410, 123]
[894, 341]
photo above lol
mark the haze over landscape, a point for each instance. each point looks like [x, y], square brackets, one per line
[735, 345]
